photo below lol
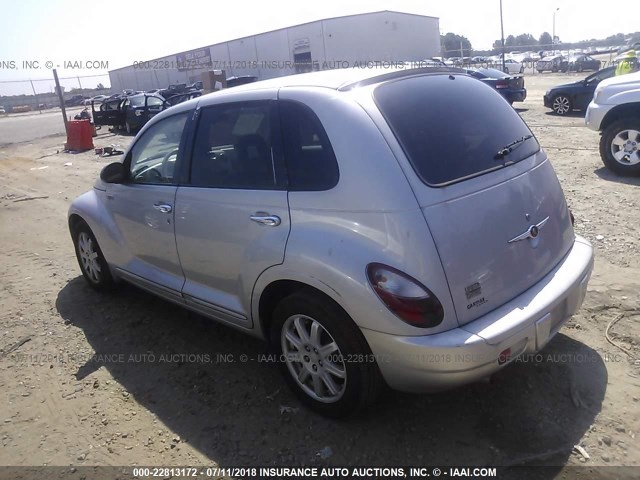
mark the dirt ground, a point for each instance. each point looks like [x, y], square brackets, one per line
[97, 381]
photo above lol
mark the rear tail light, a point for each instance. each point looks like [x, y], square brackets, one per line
[502, 84]
[407, 298]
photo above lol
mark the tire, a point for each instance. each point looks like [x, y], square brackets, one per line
[620, 146]
[506, 70]
[522, 69]
[355, 385]
[561, 105]
[93, 265]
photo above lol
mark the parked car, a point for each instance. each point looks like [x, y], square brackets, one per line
[128, 112]
[182, 97]
[580, 63]
[96, 99]
[74, 101]
[314, 211]
[242, 80]
[615, 113]
[512, 66]
[563, 99]
[511, 88]
[2, 110]
[551, 64]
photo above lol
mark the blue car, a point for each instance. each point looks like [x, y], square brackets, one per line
[564, 99]
[510, 87]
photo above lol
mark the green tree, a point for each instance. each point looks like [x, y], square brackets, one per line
[545, 39]
[510, 41]
[526, 41]
[451, 45]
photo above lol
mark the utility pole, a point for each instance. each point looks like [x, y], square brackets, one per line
[60, 99]
[502, 37]
[553, 39]
[35, 95]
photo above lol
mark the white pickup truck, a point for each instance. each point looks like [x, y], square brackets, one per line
[615, 112]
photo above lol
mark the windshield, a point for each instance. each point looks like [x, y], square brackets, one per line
[450, 127]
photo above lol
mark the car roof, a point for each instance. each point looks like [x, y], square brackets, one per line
[338, 79]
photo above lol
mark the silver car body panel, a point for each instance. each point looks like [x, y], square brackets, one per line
[380, 211]
[467, 354]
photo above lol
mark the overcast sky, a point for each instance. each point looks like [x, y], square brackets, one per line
[121, 32]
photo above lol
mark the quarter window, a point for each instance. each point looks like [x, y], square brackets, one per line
[311, 163]
[233, 147]
[155, 154]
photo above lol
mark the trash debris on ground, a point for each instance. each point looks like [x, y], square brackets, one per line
[325, 453]
[582, 451]
[286, 409]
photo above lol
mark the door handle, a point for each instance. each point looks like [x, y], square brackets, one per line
[266, 219]
[163, 207]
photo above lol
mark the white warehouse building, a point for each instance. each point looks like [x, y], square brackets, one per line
[356, 40]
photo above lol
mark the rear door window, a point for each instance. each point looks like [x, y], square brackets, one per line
[451, 128]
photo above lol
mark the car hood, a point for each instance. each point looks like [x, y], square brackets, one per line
[620, 89]
[620, 80]
[566, 85]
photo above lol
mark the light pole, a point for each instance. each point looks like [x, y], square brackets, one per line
[502, 36]
[553, 39]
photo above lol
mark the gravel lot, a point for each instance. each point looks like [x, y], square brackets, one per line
[61, 406]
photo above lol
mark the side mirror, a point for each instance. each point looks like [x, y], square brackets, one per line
[113, 173]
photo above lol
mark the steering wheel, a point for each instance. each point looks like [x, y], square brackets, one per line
[164, 171]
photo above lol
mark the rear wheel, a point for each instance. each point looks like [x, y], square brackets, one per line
[93, 265]
[325, 359]
[620, 146]
[561, 105]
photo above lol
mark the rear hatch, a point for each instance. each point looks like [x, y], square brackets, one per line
[492, 201]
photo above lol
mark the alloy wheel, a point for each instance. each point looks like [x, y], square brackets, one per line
[89, 257]
[624, 147]
[561, 105]
[313, 358]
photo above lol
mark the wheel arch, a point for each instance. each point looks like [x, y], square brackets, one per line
[269, 297]
[625, 110]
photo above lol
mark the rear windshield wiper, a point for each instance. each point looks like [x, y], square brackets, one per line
[507, 149]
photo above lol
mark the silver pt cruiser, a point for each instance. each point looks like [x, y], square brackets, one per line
[399, 226]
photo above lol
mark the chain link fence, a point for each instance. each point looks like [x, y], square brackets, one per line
[529, 55]
[19, 96]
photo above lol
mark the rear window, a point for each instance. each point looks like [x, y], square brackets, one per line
[452, 127]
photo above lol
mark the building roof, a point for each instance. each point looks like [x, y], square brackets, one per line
[285, 28]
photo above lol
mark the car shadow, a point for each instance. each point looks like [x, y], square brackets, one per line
[606, 174]
[230, 407]
[572, 114]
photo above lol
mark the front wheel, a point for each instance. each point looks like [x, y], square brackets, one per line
[325, 359]
[93, 265]
[619, 146]
[561, 105]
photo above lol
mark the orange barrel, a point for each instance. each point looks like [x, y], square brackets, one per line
[79, 135]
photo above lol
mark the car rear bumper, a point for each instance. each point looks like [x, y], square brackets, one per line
[473, 351]
[516, 95]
